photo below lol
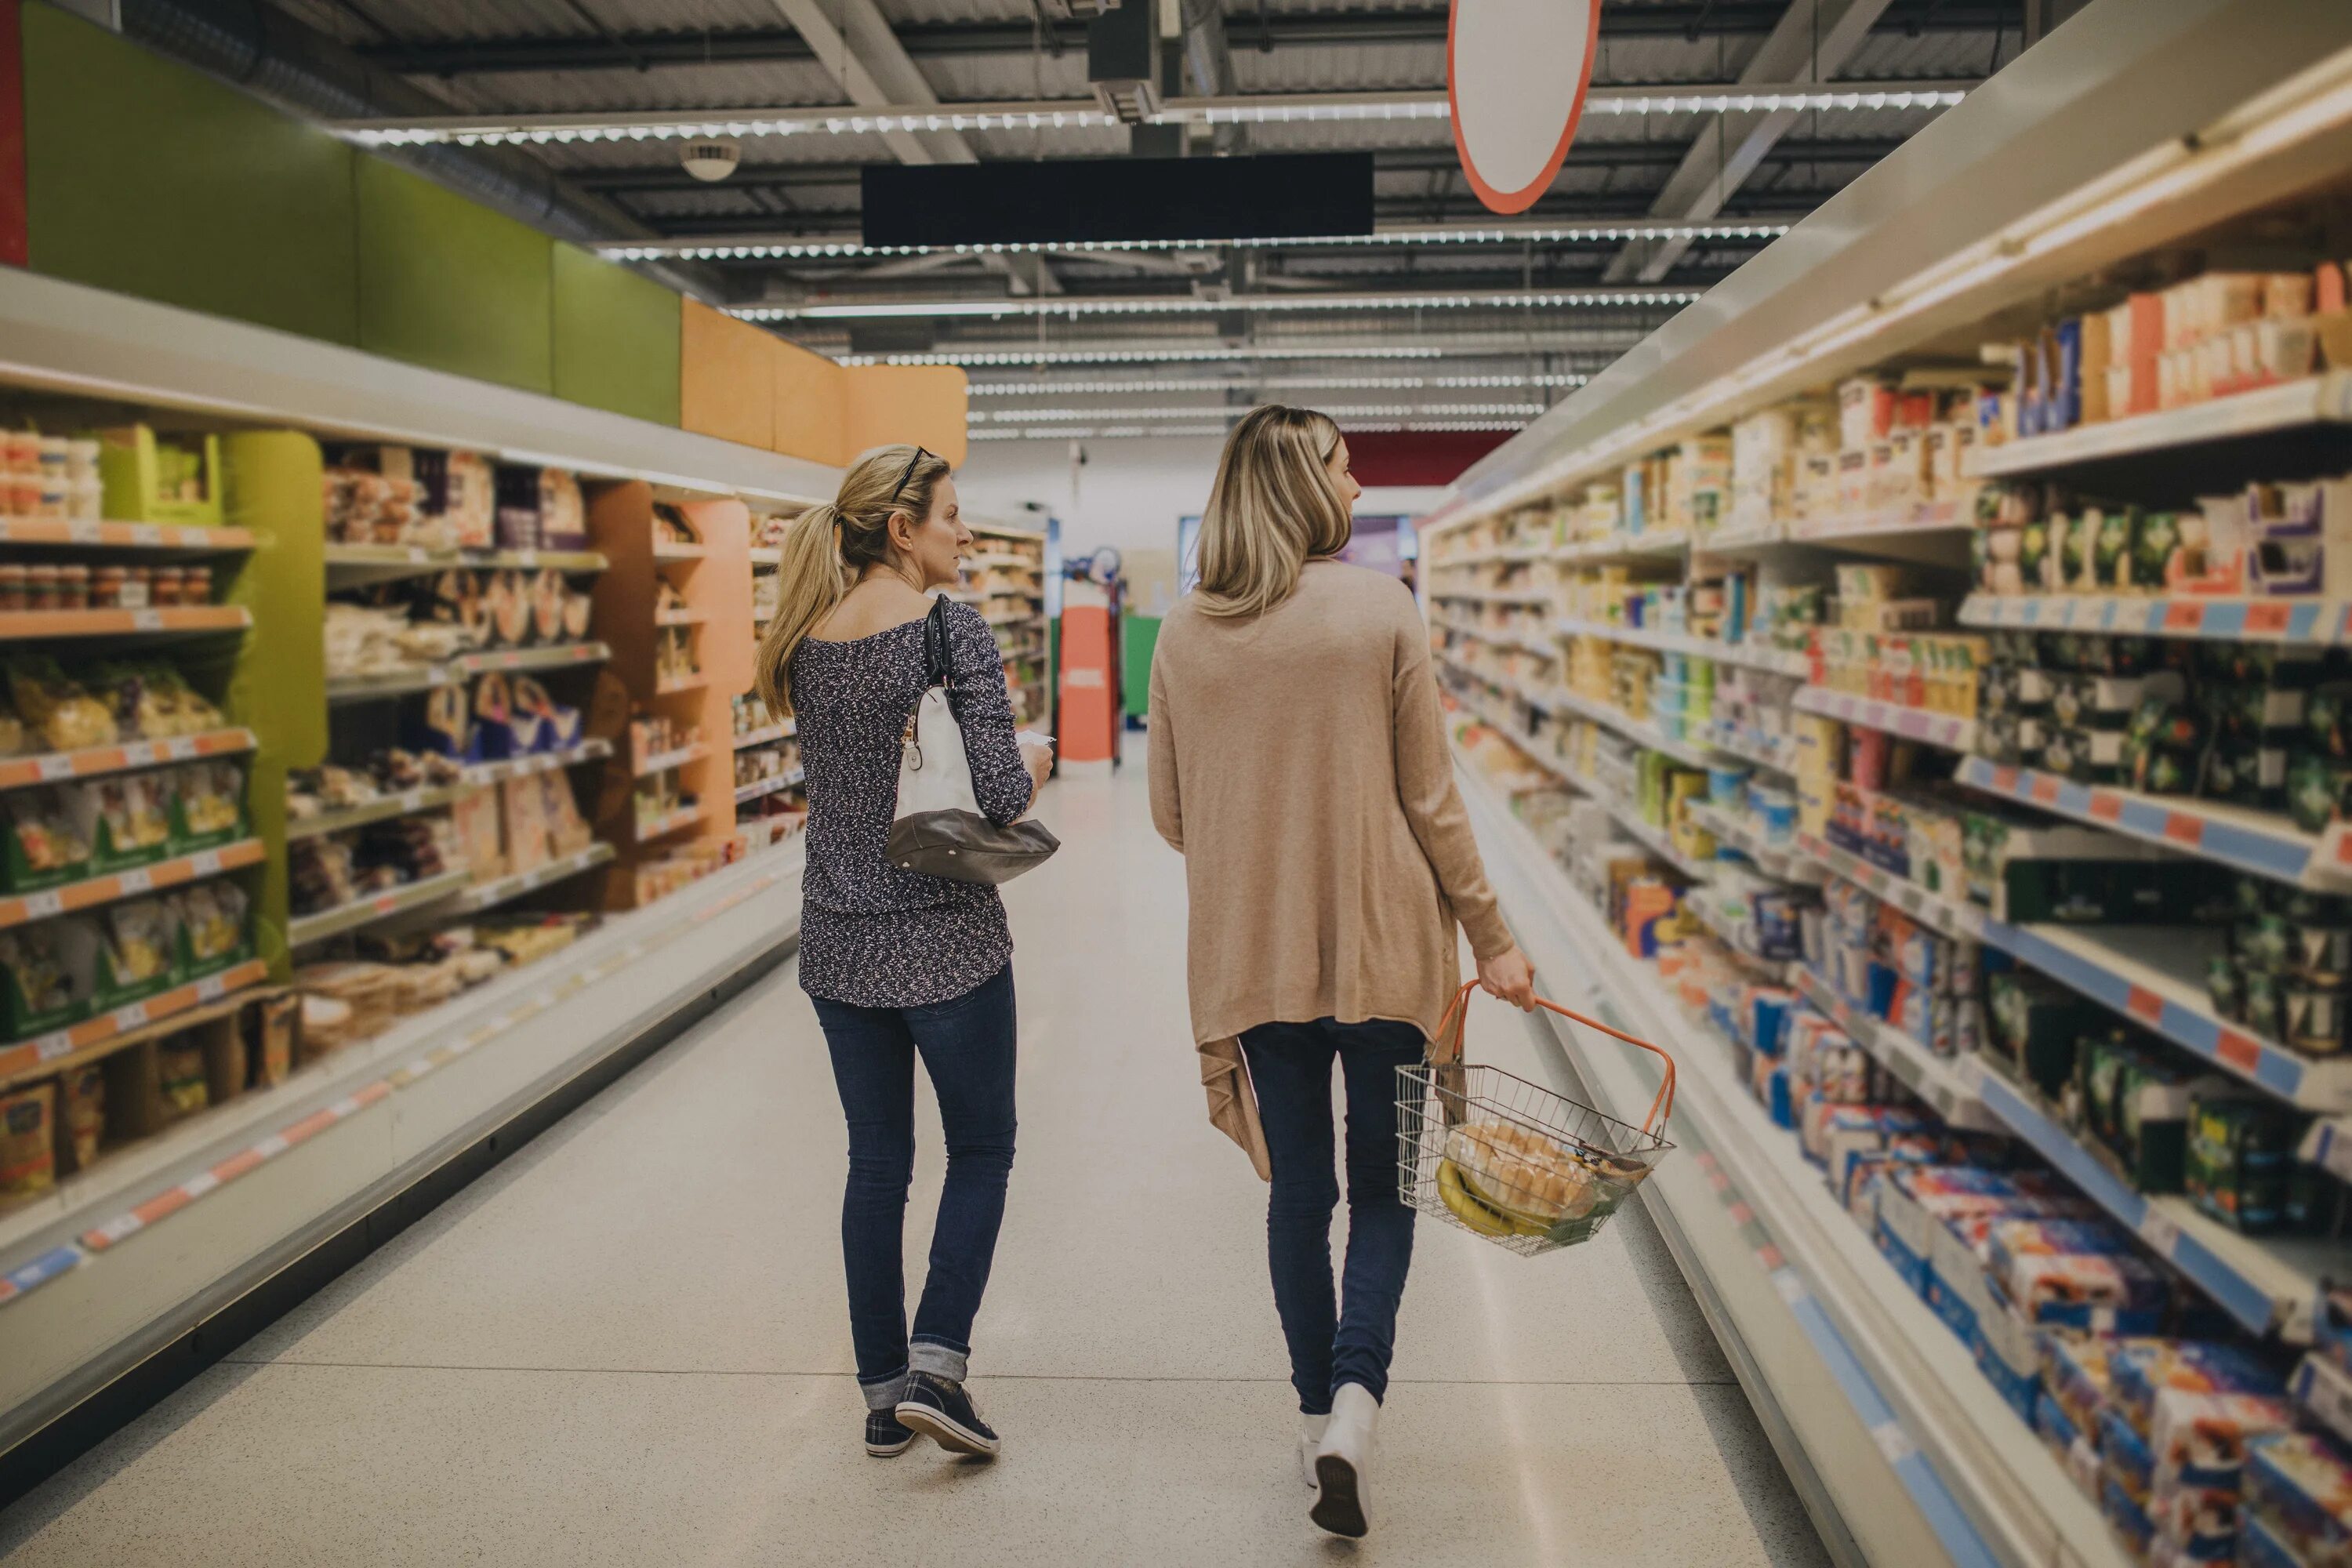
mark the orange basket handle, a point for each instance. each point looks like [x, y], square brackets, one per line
[1445, 1046]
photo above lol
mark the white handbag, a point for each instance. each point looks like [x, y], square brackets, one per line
[939, 829]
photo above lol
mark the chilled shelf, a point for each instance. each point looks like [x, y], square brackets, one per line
[465, 666]
[767, 555]
[1779, 861]
[164, 538]
[2312, 400]
[649, 828]
[2317, 622]
[159, 1015]
[1922, 517]
[1778, 661]
[757, 788]
[1541, 647]
[92, 891]
[303, 930]
[662, 762]
[499, 890]
[1947, 730]
[1623, 547]
[1495, 596]
[765, 735]
[179, 620]
[1690, 754]
[1939, 1084]
[90, 761]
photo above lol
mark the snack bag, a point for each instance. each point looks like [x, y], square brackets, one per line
[29, 1154]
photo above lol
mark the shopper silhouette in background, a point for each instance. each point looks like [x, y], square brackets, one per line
[902, 966]
[1300, 764]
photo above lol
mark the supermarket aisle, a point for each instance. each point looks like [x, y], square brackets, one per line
[628, 1345]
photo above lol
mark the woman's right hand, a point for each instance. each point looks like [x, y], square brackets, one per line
[1038, 756]
[1510, 978]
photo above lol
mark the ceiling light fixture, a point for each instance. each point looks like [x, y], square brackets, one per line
[1512, 347]
[1075, 114]
[753, 249]
[1168, 432]
[1192, 305]
[1337, 411]
[1148, 385]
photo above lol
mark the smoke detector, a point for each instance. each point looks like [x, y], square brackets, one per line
[712, 158]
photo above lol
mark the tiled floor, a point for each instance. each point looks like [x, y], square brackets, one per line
[628, 1344]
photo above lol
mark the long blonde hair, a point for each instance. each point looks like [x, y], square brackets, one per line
[1272, 508]
[829, 545]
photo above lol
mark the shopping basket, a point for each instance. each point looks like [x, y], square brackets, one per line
[1509, 1160]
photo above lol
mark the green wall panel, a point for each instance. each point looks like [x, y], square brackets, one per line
[150, 179]
[616, 338]
[448, 283]
[1139, 635]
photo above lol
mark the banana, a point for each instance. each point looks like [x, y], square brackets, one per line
[1518, 1219]
[1467, 1208]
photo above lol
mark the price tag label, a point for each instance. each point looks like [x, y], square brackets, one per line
[180, 748]
[83, 532]
[52, 1045]
[204, 863]
[147, 620]
[138, 755]
[416, 554]
[146, 533]
[53, 767]
[412, 800]
[384, 903]
[138, 881]
[2159, 1230]
[212, 988]
[526, 558]
[132, 1016]
[40, 906]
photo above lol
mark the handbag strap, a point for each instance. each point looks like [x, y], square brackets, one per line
[937, 668]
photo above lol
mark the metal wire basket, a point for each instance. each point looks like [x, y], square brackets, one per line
[1510, 1160]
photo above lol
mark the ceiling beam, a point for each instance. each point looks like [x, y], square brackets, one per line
[1385, 160]
[1812, 40]
[869, 65]
[640, 51]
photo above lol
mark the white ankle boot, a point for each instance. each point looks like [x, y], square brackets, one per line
[1310, 1438]
[1343, 1462]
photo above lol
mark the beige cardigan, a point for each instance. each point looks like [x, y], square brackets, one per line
[1300, 764]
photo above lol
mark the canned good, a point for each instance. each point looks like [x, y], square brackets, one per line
[22, 494]
[40, 587]
[12, 587]
[20, 452]
[196, 585]
[168, 587]
[73, 588]
[137, 584]
[106, 587]
[50, 453]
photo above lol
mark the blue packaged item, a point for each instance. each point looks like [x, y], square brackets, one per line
[2140, 1370]
[2125, 1455]
[1727, 787]
[2053, 1425]
[1878, 998]
[2128, 1519]
[1769, 1008]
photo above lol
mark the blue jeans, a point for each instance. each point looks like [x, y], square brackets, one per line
[967, 1046]
[1290, 1068]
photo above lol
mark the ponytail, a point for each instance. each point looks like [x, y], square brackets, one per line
[828, 545]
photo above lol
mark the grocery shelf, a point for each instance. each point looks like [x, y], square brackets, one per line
[164, 538]
[2264, 843]
[411, 677]
[1721, 735]
[1697, 756]
[1005, 559]
[302, 930]
[1623, 547]
[767, 554]
[2325, 1389]
[1493, 595]
[679, 618]
[498, 891]
[649, 828]
[671, 685]
[1541, 647]
[1654, 838]
[2328, 1143]
[2317, 622]
[474, 776]
[51, 767]
[1948, 916]
[662, 762]
[1947, 730]
[1778, 661]
[1710, 914]
[1884, 1403]
[681, 552]
[1921, 516]
[766, 734]
[2310, 400]
[166, 1013]
[760, 787]
[1941, 1086]
[2266, 1285]
[416, 559]
[1781, 862]
[92, 891]
[177, 620]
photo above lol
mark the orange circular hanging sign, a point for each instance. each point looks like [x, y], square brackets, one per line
[1516, 76]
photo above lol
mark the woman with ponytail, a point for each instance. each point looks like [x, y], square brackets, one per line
[902, 966]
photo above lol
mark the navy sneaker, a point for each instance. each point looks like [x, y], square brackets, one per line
[943, 1411]
[884, 1436]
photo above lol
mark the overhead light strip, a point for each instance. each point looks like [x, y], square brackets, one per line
[1337, 411]
[1079, 114]
[717, 249]
[1114, 431]
[1054, 305]
[1150, 386]
[1218, 354]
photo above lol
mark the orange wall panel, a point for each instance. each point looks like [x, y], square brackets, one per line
[923, 403]
[726, 386]
[809, 404]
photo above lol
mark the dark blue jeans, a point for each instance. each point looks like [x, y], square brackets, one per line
[1351, 1340]
[967, 1046]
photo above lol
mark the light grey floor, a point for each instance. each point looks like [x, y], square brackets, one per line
[628, 1344]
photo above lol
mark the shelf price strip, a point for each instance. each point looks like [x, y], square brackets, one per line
[55, 766]
[94, 890]
[1933, 1080]
[1945, 729]
[2239, 840]
[99, 1239]
[2314, 621]
[31, 1053]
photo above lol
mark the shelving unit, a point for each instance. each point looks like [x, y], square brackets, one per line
[1013, 562]
[303, 930]
[1892, 1433]
[93, 762]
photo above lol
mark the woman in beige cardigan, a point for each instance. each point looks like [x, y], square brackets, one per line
[1298, 763]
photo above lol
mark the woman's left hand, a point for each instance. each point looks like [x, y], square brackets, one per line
[1509, 977]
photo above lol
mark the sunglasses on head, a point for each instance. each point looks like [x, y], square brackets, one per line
[899, 488]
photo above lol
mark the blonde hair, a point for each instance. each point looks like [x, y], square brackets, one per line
[1272, 506]
[829, 545]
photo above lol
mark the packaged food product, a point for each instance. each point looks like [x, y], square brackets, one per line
[2142, 1369]
[2199, 1437]
[81, 1113]
[210, 920]
[29, 1152]
[123, 817]
[209, 798]
[2298, 1486]
[41, 988]
[65, 717]
[45, 845]
[182, 1080]
[139, 945]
